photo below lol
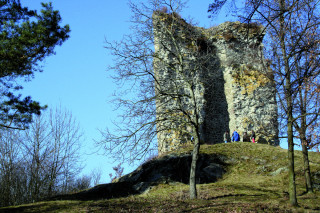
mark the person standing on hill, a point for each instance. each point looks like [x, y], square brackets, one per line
[253, 136]
[235, 136]
[245, 137]
[226, 136]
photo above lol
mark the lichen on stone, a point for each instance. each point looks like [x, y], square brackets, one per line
[249, 78]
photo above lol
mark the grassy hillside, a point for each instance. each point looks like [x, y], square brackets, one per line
[255, 181]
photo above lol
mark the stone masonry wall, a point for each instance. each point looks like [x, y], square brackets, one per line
[232, 86]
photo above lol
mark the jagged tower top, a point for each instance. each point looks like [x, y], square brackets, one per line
[236, 90]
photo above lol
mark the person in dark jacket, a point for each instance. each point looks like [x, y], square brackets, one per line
[245, 137]
[235, 136]
[226, 136]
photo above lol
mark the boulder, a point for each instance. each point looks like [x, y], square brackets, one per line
[175, 168]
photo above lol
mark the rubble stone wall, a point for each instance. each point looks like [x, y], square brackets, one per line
[233, 85]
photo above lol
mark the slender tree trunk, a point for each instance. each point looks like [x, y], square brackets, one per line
[292, 181]
[52, 179]
[307, 173]
[288, 95]
[303, 139]
[195, 155]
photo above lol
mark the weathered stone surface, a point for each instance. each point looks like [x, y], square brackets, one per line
[235, 89]
[279, 171]
[175, 168]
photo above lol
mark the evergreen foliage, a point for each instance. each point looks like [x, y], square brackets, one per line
[26, 38]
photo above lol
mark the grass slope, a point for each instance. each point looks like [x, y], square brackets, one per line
[256, 181]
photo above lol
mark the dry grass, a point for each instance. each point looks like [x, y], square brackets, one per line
[248, 186]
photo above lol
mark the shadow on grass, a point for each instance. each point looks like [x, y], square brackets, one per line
[236, 207]
[42, 207]
[234, 195]
[252, 189]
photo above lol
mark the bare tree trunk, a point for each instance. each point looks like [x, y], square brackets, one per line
[307, 173]
[292, 183]
[195, 155]
[288, 95]
[303, 139]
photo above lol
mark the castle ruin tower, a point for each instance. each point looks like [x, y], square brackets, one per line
[232, 85]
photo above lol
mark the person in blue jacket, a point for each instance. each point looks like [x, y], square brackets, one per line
[235, 136]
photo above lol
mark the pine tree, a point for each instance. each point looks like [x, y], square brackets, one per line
[26, 38]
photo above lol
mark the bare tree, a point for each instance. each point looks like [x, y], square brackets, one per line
[13, 181]
[118, 170]
[52, 144]
[36, 144]
[307, 109]
[42, 160]
[66, 137]
[163, 63]
[81, 183]
[96, 176]
[292, 28]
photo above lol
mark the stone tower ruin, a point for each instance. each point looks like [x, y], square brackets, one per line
[233, 85]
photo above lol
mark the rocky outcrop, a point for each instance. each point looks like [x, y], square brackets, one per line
[168, 169]
[102, 191]
[176, 168]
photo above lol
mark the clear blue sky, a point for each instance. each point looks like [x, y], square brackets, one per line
[77, 78]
